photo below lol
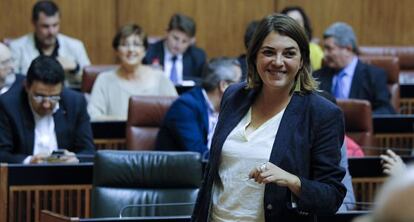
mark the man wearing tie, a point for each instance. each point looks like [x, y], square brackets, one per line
[181, 60]
[345, 76]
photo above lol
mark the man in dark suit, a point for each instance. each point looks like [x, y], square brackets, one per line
[345, 76]
[189, 123]
[180, 59]
[42, 116]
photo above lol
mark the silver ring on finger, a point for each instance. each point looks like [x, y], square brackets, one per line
[263, 167]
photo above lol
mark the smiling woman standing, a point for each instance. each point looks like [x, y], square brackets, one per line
[112, 89]
[276, 149]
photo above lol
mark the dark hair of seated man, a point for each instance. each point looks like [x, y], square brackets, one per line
[45, 69]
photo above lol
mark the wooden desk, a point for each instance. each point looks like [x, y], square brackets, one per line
[407, 98]
[48, 216]
[367, 178]
[109, 134]
[394, 131]
[25, 190]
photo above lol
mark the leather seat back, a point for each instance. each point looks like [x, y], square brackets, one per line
[391, 66]
[145, 115]
[358, 122]
[123, 178]
[90, 73]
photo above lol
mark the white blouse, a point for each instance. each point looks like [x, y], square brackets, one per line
[110, 93]
[235, 196]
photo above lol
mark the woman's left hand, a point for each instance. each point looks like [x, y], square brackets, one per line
[270, 173]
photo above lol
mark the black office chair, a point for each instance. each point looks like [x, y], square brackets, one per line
[145, 183]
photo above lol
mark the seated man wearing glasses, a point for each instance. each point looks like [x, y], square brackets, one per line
[189, 123]
[42, 116]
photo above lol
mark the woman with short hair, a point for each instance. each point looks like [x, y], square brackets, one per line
[112, 89]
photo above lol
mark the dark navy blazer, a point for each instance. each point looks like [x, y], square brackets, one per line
[369, 83]
[18, 82]
[185, 126]
[194, 59]
[307, 144]
[72, 125]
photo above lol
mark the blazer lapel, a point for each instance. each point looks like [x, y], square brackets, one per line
[199, 97]
[326, 80]
[162, 55]
[357, 81]
[28, 122]
[229, 118]
[59, 117]
[287, 128]
[187, 66]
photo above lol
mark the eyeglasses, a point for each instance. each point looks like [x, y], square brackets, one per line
[40, 99]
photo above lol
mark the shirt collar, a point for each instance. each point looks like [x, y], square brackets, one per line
[169, 55]
[38, 47]
[350, 68]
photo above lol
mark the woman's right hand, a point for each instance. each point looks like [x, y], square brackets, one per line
[270, 173]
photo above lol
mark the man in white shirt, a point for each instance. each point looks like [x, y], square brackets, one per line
[46, 40]
[41, 116]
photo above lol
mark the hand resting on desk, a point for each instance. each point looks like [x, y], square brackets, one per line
[66, 157]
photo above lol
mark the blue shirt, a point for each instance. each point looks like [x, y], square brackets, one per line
[212, 118]
[346, 81]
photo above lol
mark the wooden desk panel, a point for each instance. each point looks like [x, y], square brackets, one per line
[406, 105]
[394, 131]
[25, 190]
[365, 190]
[3, 192]
[403, 142]
[110, 144]
[26, 202]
